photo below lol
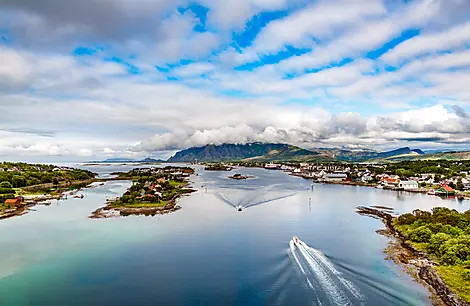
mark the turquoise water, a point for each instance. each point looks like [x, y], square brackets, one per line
[209, 253]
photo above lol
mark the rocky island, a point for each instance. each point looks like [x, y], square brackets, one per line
[239, 176]
[153, 191]
[434, 247]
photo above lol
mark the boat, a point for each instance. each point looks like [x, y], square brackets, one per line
[431, 193]
[379, 187]
[239, 207]
[271, 166]
[296, 240]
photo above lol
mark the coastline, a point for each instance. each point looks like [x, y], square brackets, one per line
[418, 264]
[111, 211]
[33, 200]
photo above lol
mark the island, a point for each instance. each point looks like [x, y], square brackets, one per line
[239, 176]
[24, 185]
[153, 191]
[434, 247]
[218, 167]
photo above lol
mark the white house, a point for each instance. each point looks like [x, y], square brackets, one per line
[408, 185]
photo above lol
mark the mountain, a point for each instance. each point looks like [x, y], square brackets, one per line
[259, 152]
[451, 155]
[265, 152]
[366, 155]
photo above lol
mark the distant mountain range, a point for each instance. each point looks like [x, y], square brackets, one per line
[265, 152]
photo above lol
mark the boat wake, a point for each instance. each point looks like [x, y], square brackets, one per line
[330, 287]
[255, 197]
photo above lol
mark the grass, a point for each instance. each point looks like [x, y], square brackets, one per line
[453, 277]
[177, 184]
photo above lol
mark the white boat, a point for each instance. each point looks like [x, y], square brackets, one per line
[379, 187]
[271, 166]
[239, 207]
[296, 240]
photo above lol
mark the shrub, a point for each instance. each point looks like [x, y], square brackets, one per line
[420, 234]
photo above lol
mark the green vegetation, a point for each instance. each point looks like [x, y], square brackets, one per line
[153, 187]
[6, 191]
[445, 235]
[24, 175]
[218, 167]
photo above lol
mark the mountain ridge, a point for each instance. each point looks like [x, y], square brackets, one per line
[266, 152]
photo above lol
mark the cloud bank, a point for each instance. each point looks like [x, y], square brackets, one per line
[99, 78]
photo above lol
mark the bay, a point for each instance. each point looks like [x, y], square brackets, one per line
[209, 253]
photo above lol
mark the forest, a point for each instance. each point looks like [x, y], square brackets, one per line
[444, 234]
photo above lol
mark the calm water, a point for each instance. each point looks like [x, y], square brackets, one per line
[208, 253]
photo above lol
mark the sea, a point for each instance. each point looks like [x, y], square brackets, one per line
[230, 244]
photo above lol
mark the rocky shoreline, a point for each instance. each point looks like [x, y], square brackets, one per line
[111, 211]
[418, 264]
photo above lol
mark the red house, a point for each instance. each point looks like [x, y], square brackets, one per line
[13, 202]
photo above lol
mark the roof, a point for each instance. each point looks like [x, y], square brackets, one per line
[408, 182]
[447, 188]
[391, 180]
[12, 201]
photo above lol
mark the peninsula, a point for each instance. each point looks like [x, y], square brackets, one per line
[153, 191]
[435, 248]
[23, 185]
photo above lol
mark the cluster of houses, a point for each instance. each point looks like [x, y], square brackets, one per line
[365, 174]
[176, 173]
[37, 168]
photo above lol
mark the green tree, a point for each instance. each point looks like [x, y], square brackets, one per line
[437, 241]
[420, 234]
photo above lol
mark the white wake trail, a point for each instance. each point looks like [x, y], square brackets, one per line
[322, 271]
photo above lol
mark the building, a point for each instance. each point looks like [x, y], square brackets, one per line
[391, 182]
[335, 177]
[445, 190]
[13, 202]
[408, 185]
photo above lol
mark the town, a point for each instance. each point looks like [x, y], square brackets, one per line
[439, 177]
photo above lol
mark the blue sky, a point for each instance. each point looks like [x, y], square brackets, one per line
[95, 79]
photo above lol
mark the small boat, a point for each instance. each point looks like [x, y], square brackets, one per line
[431, 193]
[379, 187]
[296, 240]
[239, 208]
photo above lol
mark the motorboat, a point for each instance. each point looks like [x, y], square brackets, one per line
[239, 207]
[296, 240]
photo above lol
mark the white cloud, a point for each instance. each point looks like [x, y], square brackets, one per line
[450, 39]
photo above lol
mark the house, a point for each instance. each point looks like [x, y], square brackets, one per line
[391, 182]
[161, 180]
[335, 177]
[445, 190]
[366, 178]
[13, 202]
[408, 185]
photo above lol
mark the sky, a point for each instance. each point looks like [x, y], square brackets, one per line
[95, 79]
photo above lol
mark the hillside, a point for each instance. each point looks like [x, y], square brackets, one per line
[265, 152]
[465, 155]
[249, 152]
[367, 155]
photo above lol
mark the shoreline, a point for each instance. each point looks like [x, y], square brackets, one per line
[34, 200]
[111, 211]
[416, 263]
